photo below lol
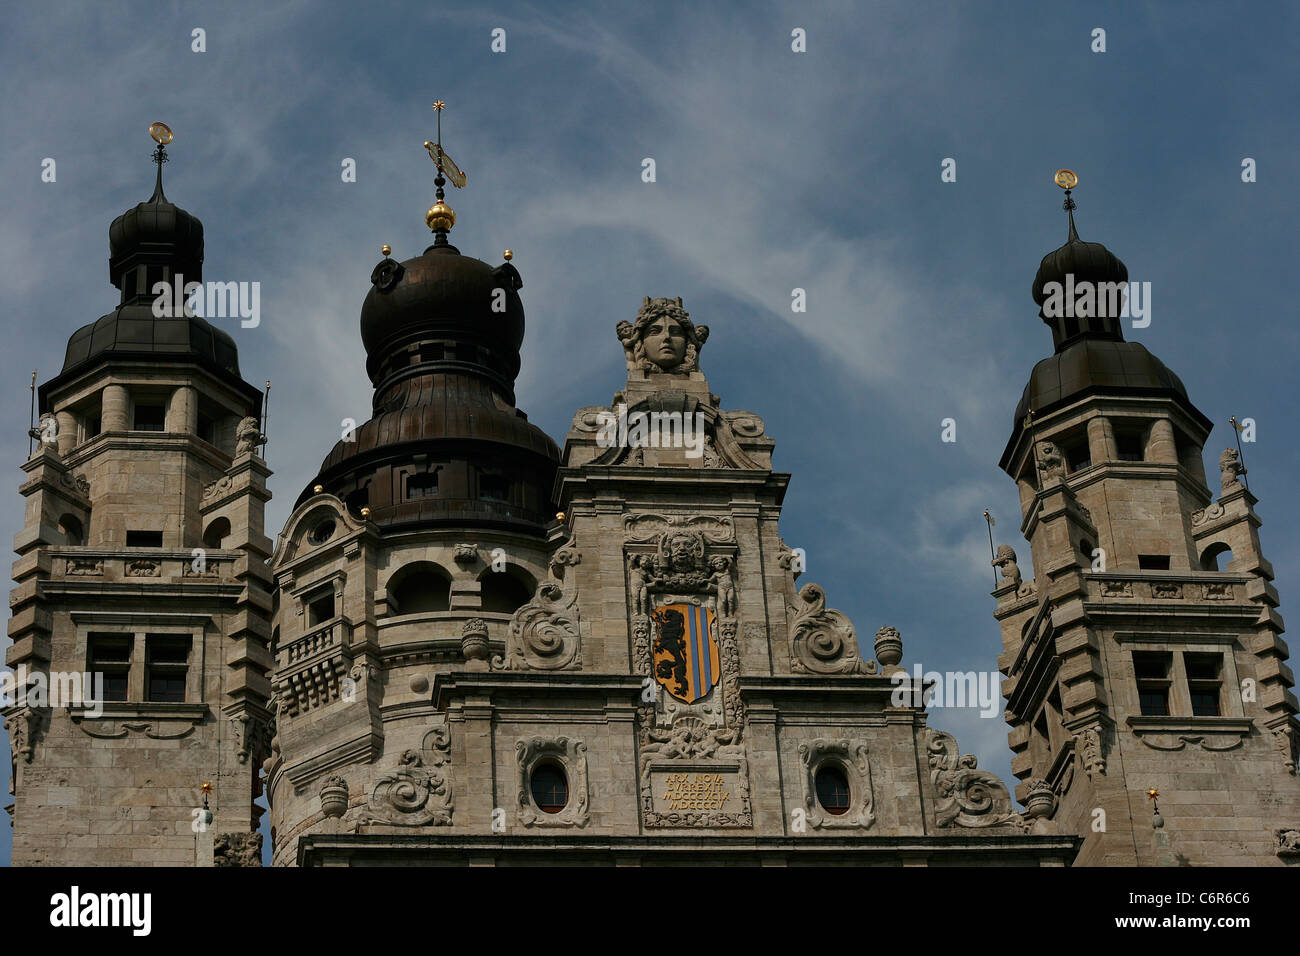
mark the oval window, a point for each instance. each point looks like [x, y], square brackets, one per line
[322, 532]
[833, 790]
[550, 788]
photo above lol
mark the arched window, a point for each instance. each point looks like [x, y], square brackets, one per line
[550, 787]
[832, 789]
[216, 533]
[506, 591]
[422, 586]
[70, 528]
[1213, 558]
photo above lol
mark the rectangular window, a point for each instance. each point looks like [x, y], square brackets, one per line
[1077, 456]
[1153, 562]
[149, 418]
[320, 610]
[1152, 670]
[168, 657]
[144, 539]
[206, 430]
[422, 486]
[1129, 446]
[1204, 682]
[110, 655]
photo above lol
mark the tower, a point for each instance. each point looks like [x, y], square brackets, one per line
[140, 615]
[1147, 652]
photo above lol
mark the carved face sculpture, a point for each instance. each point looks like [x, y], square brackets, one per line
[681, 553]
[664, 342]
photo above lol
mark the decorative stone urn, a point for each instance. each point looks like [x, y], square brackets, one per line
[334, 796]
[474, 640]
[889, 646]
[1040, 801]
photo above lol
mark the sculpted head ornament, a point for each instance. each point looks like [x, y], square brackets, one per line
[663, 338]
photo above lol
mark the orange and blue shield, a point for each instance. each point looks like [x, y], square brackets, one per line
[686, 659]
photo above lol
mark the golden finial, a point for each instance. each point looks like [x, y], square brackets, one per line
[365, 512]
[1153, 793]
[385, 248]
[161, 133]
[509, 254]
[317, 488]
[440, 217]
[1066, 179]
[439, 105]
[206, 788]
[559, 516]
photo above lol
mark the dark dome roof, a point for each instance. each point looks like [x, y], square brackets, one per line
[1093, 364]
[155, 232]
[134, 331]
[1086, 261]
[444, 296]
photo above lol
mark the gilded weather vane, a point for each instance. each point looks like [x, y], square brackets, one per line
[440, 217]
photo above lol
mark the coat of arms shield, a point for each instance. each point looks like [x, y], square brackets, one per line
[686, 660]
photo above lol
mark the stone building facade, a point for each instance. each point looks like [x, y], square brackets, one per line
[469, 646]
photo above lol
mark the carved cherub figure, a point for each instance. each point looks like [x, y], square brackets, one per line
[636, 577]
[1232, 468]
[663, 338]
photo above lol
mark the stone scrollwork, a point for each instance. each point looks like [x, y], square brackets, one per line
[823, 641]
[571, 756]
[544, 634]
[966, 796]
[642, 528]
[415, 794]
[851, 757]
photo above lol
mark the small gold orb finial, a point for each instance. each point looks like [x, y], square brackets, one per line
[1066, 179]
[509, 254]
[440, 217]
[365, 512]
[207, 787]
[317, 488]
[161, 133]
[385, 248]
[559, 516]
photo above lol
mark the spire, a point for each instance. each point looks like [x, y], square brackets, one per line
[440, 217]
[1067, 180]
[162, 135]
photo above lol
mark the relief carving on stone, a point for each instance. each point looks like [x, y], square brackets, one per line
[546, 633]
[823, 641]
[1285, 738]
[571, 756]
[1286, 841]
[1089, 745]
[851, 756]
[1212, 512]
[82, 566]
[965, 796]
[414, 794]
[1051, 463]
[237, 849]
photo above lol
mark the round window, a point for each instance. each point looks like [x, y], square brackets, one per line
[322, 532]
[550, 788]
[833, 790]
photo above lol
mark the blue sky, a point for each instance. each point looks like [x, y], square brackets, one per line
[775, 170]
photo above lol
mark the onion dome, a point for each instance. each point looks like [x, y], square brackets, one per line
[445, 444]
[1091, 356]
[154, 241]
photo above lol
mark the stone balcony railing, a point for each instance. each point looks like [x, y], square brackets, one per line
[137, 565]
